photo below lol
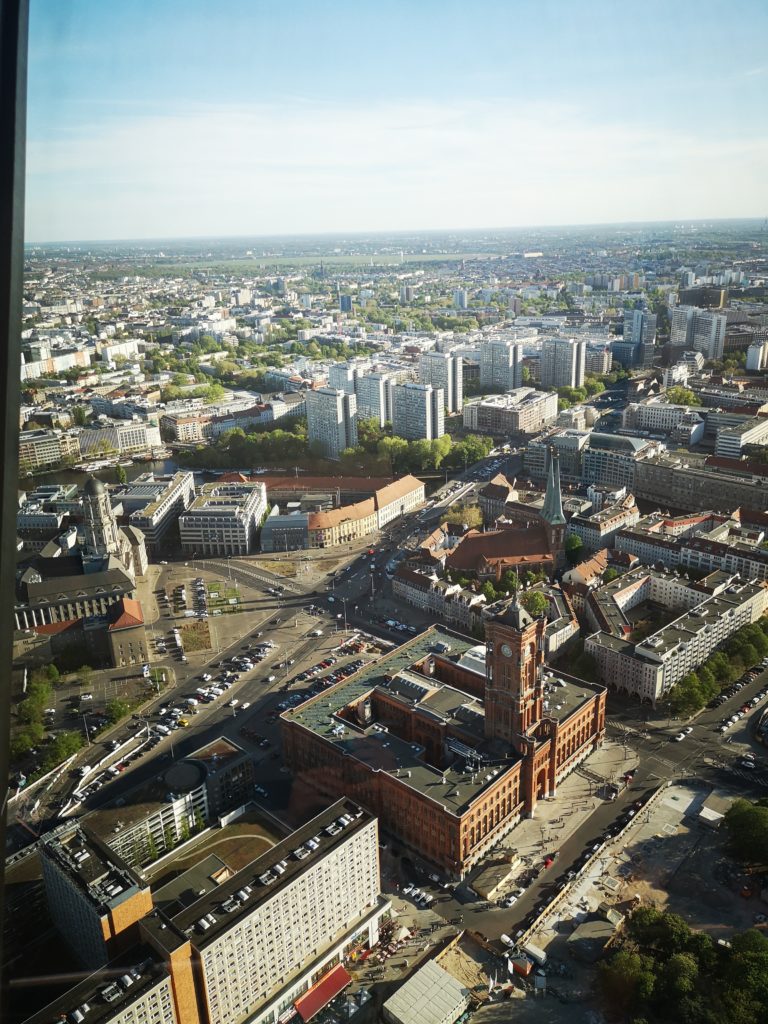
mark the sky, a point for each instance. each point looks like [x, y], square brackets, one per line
[163, 118]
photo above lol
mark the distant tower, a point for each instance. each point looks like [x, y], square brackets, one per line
[100, 526]
[514, 695]
[552, 512]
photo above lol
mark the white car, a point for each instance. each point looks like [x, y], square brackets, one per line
[680, 736]
[244, 707]
[233, 703]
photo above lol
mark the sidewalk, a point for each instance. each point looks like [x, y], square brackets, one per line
[556, 820]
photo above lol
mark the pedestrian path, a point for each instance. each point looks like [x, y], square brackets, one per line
[556, 819]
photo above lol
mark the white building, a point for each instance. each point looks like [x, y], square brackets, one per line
[501, 365]
[418, 412]
[223, 519]
[123, 436]
[444, 370]
[332, 420]
[41, 448]
[374, 397]
[268, 932]
[562, 362]
[716, 607]
[699, 330]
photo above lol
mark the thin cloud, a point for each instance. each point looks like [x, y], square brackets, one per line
[311, 166]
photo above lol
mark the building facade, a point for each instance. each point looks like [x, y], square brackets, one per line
[331, 421]
[410, 734]
[444, 371]
[715, 608]
[418, 412]
[523, 411]
[563, 362]
[501, 365]
[223, 520]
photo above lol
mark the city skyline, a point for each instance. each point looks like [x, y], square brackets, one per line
[293, 122]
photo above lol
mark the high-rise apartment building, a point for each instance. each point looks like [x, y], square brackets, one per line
[274, 926]
[562, 362]
[639, 338]
[460, 299]
[418, 412]
[260, 944]
[345, 303]
[374, 397]
[332, 420]
[698, 329]
[709, 333]
[444, 370]
[501, 365]
[597, 360]
[95, 900]
[342, 376]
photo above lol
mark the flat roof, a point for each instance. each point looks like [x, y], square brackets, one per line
[108, 991]
[455, 787]
[430, 996]
[258, 881]
[102, 876]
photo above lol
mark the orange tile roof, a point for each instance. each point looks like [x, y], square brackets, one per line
[508, 546]
[127, 614]
[397, 489]
[345, 514]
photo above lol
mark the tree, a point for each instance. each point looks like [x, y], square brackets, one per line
[121, 475]
[525, 376]
[535, 603]
[489, 592]
[610, 574]
[84, 675]
[573, 548]
[117, 709]
[686, 696]
[681, 396]
[747, 826]
[626, 980]
[465, 515]
[79, 415]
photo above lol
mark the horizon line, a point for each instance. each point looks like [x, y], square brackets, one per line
[360, 232]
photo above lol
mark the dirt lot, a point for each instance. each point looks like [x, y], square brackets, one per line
[195, 636]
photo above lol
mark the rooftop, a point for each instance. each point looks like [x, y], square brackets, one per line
[457, 786]
[103, 876]
[104, 994]
[238, 894]
[430, 996]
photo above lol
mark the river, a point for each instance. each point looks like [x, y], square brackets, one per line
[109, 476]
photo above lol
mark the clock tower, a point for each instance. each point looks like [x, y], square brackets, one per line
[514, 693]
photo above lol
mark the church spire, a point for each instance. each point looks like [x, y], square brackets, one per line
[552, 512]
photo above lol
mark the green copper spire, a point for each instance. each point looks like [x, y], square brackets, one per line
[553, 499]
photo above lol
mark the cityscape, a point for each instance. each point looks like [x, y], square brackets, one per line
[391, 605]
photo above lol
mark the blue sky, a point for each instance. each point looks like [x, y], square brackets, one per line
[161, 118]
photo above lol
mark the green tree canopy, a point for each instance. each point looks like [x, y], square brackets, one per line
[535, 603]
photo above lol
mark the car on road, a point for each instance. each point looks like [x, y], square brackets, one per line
[688, 730]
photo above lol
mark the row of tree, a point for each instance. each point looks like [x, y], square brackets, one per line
[745, 648]
[377, 453]
[669, 974]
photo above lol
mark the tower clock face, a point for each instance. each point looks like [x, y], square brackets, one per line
[506, 650]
